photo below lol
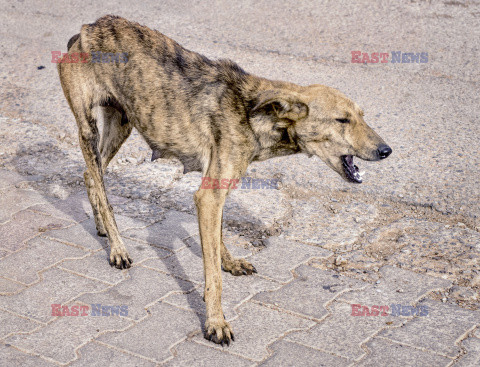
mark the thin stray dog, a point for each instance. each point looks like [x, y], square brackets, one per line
[213, 116]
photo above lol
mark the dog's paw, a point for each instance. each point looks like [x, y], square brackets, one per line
[238, 267]
[120, 259]
[219, 331]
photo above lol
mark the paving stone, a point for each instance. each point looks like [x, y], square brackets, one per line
[82, 234]
[236, 290]
[8, 287]
[98, 355]
[72, 331]
[281, 256]
[124, 223]
[184, 264]
[383, 352]
[25, 225]
[10, 323]
[57, 286]
[142, 287]
[260, 324]
[328, 224]
[140, 251]
[472, 358]
[169, 233]
[194, 354]
[97, 265]
[9, 356]
[154, 336]
[260, 207]
[309, 291]
[286, 353]
[75, 208]
[13, 200]
[439, 330]
[45, 252]
[10, 178]
[397, 286]
[237, 247]
[342, 334]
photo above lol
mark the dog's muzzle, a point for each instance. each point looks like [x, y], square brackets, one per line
[352, 173]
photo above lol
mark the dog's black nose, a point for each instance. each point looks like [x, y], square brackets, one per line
[384, 151]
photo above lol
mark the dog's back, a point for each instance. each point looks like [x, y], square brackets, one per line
[170, 94]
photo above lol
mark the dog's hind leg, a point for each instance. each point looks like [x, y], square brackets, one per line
[116, 129]
[88, 134]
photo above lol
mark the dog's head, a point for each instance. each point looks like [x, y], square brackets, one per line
[324, 122]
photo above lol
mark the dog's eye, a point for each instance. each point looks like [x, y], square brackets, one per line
[343, 121]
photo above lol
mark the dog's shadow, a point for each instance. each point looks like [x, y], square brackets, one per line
[188, 287]
[173, 266]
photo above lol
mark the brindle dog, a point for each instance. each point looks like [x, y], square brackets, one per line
[212, 115]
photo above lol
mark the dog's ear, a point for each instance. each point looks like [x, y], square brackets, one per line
[287, 106]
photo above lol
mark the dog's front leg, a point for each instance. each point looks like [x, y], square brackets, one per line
[209, 201]
[209, 204]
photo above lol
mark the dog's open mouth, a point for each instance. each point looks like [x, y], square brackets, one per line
[351, 171]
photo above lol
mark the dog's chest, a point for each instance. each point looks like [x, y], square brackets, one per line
[191, 163]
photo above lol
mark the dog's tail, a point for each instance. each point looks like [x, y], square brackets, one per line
[72, 41]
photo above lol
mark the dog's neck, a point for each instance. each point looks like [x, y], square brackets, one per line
[271, 140]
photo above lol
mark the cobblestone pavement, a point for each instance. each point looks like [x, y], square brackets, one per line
[386, 273]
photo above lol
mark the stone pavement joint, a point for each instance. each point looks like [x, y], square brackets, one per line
[47, 254]
[280, 257]
[439, 331]
[97, 354]
[143, 287]
[310, 290]
[383, 352]
[25, 225]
